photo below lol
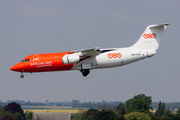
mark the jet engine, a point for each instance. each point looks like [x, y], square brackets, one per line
[70, 59]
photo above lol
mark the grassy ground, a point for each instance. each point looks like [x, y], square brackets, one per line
[51, 109]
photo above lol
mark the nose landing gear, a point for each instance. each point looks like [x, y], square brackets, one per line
[85, 72]
[21, 76]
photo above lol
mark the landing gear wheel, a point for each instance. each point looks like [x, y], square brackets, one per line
[22, 76]
[85, 72]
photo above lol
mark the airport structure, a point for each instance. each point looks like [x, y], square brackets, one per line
[46, 99]
[51, 116]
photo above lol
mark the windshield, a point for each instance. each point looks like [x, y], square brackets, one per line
[25, 60]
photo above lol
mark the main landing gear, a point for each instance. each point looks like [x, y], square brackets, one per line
[85, 72]
[21, 76]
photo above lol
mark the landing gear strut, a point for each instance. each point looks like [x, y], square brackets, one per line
[21, 76]
[85, 72]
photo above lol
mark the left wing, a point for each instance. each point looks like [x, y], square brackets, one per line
[84, 55]
[79, 56]
[90, 52]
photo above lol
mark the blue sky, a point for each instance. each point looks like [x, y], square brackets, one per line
[29, 27]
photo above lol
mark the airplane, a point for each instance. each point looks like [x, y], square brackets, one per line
[96, 58]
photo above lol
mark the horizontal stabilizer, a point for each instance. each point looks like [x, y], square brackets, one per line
[159, 26]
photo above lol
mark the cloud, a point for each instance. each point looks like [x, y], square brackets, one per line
[120, 16]
[29, 10]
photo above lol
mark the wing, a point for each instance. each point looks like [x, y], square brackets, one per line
[90, 52]
[77, 57]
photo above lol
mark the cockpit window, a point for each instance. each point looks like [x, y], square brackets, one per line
[25, 60]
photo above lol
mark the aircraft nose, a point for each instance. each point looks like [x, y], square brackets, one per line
[17, 67]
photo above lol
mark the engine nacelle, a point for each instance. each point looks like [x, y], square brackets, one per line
[70, 59]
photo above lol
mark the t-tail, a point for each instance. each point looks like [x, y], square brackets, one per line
[151, 37]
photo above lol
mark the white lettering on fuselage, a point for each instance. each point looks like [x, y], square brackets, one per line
[135, 54]
[42, 64]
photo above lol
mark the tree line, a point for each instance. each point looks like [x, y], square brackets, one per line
[136, 108]
[77, 104]
[111, 105]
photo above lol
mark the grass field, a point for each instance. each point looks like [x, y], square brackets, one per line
[56, 109]
[47, 107]
[51, 109]
[39, 110]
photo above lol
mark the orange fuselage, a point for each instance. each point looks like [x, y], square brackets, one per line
[43, 63]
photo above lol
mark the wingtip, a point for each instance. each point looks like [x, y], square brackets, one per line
[166, 24]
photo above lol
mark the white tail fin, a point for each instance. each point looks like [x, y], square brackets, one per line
[151, 37]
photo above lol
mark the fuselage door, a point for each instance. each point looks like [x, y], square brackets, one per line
[36, 59]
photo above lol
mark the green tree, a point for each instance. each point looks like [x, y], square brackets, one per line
[106, 115]
[167, 115]
[120, 109]
[153, 117]
[140, 105]
[79, 115]
[129, 102]
[163, 106]
[1, 109]
[4, 115]
[176, 117]
[178, 112]
[29, 115]
[18, 116]
[90, 117]
[146, 98]
[137, 116]
[91, 112]
[95, 114]
[160, 110]
[123, 111]
[120, 117]
[129, 110]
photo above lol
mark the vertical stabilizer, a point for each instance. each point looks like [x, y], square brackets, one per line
[151, 37]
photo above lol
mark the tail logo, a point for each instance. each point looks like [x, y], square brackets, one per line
[149, 35]
[114, 55]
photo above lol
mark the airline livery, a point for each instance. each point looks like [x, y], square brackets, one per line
[86, 60]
